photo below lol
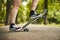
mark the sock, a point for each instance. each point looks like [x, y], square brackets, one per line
[12, 25]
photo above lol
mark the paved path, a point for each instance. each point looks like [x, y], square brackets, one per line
[36, 32]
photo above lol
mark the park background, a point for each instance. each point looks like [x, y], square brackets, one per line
[52, 16]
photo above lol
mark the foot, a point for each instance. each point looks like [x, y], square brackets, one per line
[33, 14]
[13, 28]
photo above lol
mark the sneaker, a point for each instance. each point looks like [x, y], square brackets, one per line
[13, 28]
[33, 14]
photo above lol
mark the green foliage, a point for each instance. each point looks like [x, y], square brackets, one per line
[53, 10]
[40, 6]
[2, 11]
[21, 16]
[23, 12]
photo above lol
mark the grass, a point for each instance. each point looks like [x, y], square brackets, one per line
[53, 25]
[1, 24]
[50, 25]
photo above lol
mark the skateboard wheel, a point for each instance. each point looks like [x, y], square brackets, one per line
[26, 30]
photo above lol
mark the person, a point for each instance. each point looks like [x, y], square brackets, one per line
[14, 10]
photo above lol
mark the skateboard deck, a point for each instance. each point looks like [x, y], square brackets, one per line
[33, 20]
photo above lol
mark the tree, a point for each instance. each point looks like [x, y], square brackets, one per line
[45, 7]
[8, 8]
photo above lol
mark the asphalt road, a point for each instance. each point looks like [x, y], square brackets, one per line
[37, 32]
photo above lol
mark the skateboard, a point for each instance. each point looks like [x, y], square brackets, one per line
[23, 28]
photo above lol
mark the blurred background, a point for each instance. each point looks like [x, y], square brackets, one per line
[52, 15]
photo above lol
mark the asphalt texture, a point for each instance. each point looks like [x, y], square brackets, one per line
[36, 32]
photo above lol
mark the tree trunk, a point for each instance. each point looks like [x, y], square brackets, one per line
[45, 7]
[16, 19]
[8, 7]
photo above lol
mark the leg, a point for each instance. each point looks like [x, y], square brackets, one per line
[33, 7]
[13, 13]
[34, 4]
[14, 10]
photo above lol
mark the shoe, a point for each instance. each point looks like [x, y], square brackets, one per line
[33, 14]
[13, 28]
